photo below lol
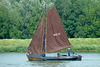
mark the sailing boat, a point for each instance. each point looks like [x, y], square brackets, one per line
[49, 37]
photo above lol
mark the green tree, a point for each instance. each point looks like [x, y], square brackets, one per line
[4, 28]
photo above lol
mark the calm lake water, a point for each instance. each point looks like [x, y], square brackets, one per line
[20, 60]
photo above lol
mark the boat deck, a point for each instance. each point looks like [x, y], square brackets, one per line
[40, 57]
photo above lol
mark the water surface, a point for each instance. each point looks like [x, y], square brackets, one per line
[20, 60]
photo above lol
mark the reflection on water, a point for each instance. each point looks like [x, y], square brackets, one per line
[49, 63]
[20, 60]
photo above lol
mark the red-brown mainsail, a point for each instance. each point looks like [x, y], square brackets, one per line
[37, 43]
[56, 38]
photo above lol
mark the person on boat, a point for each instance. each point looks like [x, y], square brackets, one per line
[68, 51]
[73, 52]
[58, 55]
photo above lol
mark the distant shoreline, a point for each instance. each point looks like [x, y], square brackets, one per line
[79, 45]
[60, 51]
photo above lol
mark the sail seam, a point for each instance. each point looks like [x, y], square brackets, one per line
[51, 28]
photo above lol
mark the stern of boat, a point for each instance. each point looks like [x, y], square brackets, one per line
[79, 58]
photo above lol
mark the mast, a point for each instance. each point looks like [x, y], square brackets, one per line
[45, 29]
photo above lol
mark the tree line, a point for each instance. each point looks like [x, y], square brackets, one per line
[20, 18]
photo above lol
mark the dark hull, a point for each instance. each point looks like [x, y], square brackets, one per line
[40, 57]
